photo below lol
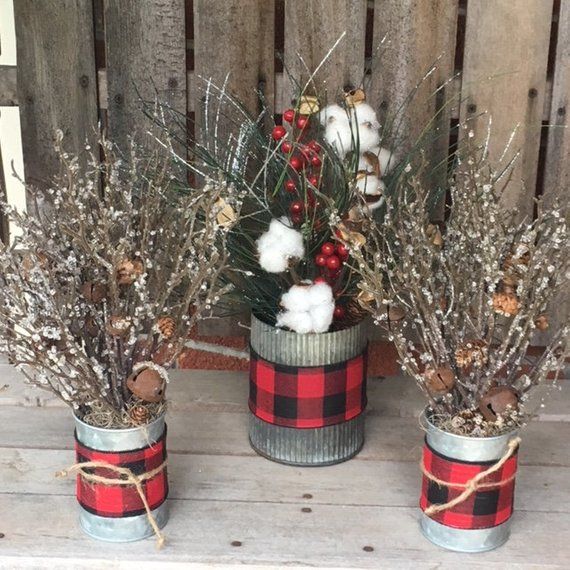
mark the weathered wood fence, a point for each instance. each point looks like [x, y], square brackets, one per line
[83, 61]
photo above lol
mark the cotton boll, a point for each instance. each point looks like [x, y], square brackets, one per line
[322, 317]
[386, 158]
[365, 127]
[297, 298]
[277, 246]
[300, 322]
[376, 204]
[337, 128]
[320, 293]
[370, 184]
[271, 262]
[364, 113]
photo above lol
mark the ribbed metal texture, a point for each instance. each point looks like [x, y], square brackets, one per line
[125, 529]
[473, 449]
[307, 447]
[293, 349]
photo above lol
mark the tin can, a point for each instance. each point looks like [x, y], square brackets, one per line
[118, 447]
[300, 355]
[468, 455]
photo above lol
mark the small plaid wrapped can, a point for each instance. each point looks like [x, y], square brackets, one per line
[307, 394]
[116, 513]
[481, 521]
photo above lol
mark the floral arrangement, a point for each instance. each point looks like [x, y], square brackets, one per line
[462, 300]
[99, 289]
[321, 161]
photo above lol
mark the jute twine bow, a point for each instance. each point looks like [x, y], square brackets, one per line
[127, 478]
[473, 484]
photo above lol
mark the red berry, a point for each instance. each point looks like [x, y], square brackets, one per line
[302, 122]
[286, 147]
[321, 260]
[290, 186]
[327, 248]
[319, 280]
[278, 132]
[342, 250]
[339, 312]
[314, 180]
[333, 262]
[316, 161]
[289, 115]
[315, 146]
[296, 207]
[296, 218]
[297, 163]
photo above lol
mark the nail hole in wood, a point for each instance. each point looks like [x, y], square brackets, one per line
[368, 548]
[306, 510]
[236, 543]
[2, 535]
[307, 496]
[561, 111]
[532, 92]
[471, 108]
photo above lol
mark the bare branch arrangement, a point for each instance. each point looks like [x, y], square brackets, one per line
[461, 301]
[100, 289]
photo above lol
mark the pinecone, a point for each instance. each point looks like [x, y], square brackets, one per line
[139, 414]
[128, 271]
[472, 352]
[166, 327]
[506, 304]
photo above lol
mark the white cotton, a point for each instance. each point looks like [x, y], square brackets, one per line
[337, 128]
[297, 298]
[300, 322]
[370, 184]
[308, 308]
[279, 245]
[320, 293]
[322, 317]
[365, 127]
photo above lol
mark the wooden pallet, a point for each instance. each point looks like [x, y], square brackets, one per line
[230, 507]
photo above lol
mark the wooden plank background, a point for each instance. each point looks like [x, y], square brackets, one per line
[80, 61]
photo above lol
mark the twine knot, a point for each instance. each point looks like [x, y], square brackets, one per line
[474, 484]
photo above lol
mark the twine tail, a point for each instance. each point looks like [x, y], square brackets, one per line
[131, 479]
[473, 484]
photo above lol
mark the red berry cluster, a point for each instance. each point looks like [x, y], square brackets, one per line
[331, 259]
[305, 162]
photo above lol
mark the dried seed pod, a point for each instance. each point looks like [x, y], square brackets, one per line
[541, 322]
[395, 313]
[128, 271]
[308, 105]
[354, 97]
[94, 292]
[119, 326]
[147, 384]
[433, 234]
[91, 327]
[166, 327]
[497, 401]
[472, 352]
[139, 414]
[506, 304]
[439, 380]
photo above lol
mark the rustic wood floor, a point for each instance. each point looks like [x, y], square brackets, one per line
[230, 507]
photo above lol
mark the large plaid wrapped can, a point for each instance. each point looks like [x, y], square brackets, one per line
[307, 394]
[116, 512]
[480, 521]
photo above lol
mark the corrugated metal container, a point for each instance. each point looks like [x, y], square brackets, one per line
[307, 446]
[124, 529]
[474, 450]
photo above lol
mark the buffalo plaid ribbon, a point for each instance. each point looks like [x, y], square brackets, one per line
[485, 508]
[307, 397]
[118, 501]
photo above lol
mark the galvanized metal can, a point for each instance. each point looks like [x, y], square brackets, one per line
[472, 450]
[307, 447]
[129, 528]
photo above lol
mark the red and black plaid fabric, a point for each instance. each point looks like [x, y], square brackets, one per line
[118, 501]
[483, 509]
[307, 397]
